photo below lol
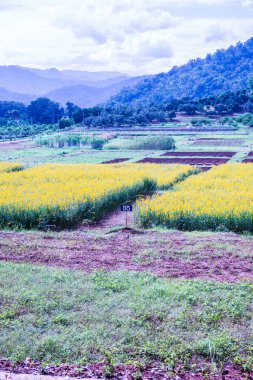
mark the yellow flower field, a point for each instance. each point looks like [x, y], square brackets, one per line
[220, 199]
[65, 194]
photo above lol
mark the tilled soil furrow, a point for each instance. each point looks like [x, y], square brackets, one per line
[222, 257]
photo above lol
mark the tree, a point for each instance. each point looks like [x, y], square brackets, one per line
[44, 111]
[221, 108]
[188, 108]
[70, 108]
[172, 115]
[250, 83]
[65, 123]
[248, 107]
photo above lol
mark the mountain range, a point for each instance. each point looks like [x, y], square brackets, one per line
[226, 70]
[83, 88]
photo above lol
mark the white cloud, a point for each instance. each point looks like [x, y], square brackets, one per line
[247, 3]
[135, 36]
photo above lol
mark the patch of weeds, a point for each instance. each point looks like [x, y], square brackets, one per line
[109, 368]
[217, 348]
[103, 281]
[147, 256]
[9, 313]
[61, 319]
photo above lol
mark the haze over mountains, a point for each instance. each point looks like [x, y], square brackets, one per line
[80, 87]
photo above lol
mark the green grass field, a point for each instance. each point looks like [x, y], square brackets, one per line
[66, 316]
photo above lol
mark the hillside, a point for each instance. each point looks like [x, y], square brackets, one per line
[225, 70]
[10, 96]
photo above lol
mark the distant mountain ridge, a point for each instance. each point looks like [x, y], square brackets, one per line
[88, 94]
[80, 87]
[226, 70]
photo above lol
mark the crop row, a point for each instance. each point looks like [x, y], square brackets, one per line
[64, 195]
[219, 199]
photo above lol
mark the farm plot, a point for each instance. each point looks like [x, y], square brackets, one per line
[185, 161]
[64, 195]
[204, 168]
[199, 154]
[220, 199]
[115, 161]
[248, 160]
[218, 142]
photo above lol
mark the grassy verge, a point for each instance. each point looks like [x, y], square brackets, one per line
[62, 316]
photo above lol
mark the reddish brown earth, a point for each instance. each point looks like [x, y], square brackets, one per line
[248, 160]
[115, 161]
[199, 154]
[205, 168]
[186, 161]
[171, 254]
[17, 144]
[127, 372]
[250, 154]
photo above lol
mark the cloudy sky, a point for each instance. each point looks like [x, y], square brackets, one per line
[131, 36]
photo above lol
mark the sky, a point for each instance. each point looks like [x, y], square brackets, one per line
[136, 37]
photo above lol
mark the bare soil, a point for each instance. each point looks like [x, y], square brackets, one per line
[115, 161]
[199, 154]
[171, 254]
[34, 371]
[186, 161]
[17, 144]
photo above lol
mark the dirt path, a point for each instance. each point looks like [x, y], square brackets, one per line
[115, 219]
[171, 254]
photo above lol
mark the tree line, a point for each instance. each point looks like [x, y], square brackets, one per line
[18, 120]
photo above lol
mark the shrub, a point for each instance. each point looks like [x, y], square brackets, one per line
[65, 123]
[152, 143]
[97, 143]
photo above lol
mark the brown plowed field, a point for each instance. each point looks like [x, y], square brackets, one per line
[204, 168]
[171, 254]
[248, 160]
[115, 161]
[199, 154]
[185, 161]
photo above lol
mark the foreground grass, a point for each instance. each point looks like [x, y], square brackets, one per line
[57, 315]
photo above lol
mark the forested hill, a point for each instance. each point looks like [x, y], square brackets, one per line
[225, 70]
